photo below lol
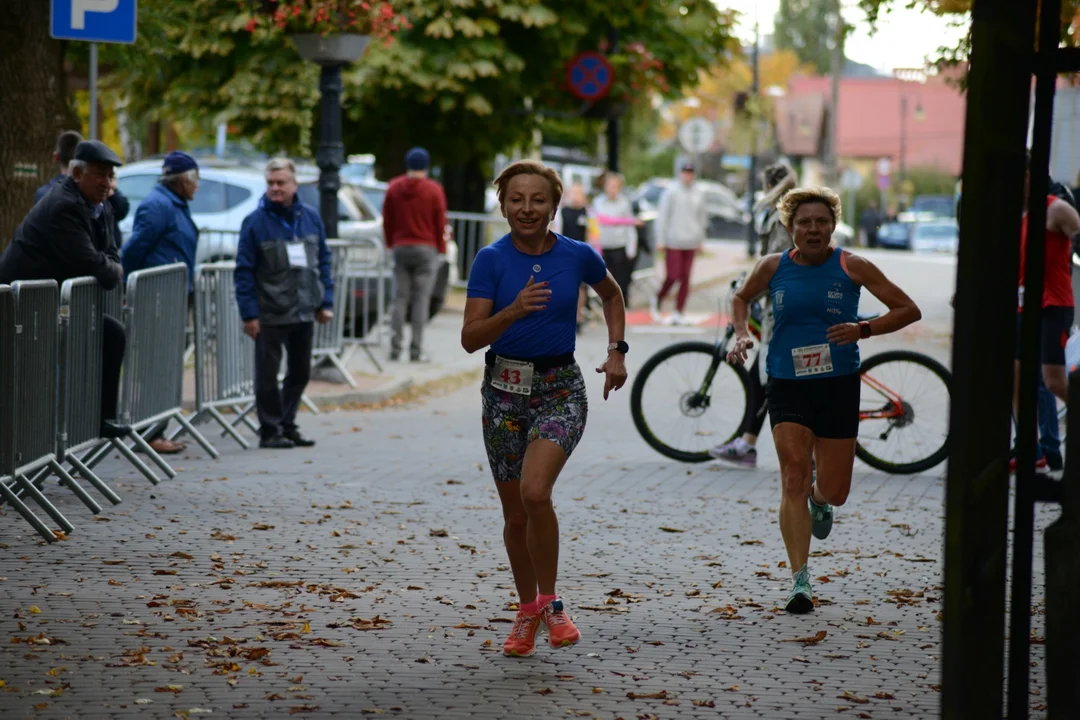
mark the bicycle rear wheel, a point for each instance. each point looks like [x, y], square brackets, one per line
[903, 412]
[679, 411]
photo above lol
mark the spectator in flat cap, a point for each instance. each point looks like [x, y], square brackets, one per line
[164, 233]
[63, 155]
[69, 234]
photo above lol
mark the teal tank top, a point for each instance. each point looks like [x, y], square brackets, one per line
[806, 301]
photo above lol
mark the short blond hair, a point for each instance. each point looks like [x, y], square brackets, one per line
[281, 163]
[794, 199]
[529, 167]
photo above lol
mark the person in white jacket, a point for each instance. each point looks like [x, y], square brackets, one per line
[680, 230]
[614, 215]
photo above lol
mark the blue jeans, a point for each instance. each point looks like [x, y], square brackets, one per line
[1049, 431]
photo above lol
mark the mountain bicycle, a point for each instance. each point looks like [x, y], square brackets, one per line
[687, 398]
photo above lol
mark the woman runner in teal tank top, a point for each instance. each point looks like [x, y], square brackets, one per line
[813, 366]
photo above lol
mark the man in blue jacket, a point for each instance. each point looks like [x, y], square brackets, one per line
[164, 233]
[283, 285]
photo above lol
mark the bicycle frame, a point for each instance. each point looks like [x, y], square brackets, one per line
[894, 409]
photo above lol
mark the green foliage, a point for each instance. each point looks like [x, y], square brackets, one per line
[804, 26]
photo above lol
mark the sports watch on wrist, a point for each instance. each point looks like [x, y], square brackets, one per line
[864, 329]
[621, 346]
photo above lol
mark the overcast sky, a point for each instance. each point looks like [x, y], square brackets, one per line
[904, 38]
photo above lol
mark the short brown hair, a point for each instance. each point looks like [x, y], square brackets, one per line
[793, 199]
[529, 167]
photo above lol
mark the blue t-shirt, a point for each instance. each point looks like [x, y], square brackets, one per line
[807, 300]
[500, 271]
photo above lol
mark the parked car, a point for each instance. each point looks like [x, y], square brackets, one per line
[227, 194]
[938, 236]
[895, 235]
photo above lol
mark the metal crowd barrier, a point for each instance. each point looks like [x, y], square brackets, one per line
[328, 344]
[473, 231]
[224, 355]
[156, 326]
[363, 308]
[33, 339]
[9, 411]
[216, 246]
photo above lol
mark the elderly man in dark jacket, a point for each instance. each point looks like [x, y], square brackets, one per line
[283, 285]
[69, 234]
[63, 155]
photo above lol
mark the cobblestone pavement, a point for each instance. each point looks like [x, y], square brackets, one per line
[367, 576]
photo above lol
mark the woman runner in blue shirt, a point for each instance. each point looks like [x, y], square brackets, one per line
[813, 366]
[522, 301]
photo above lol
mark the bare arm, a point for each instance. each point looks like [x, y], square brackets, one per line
[756, 284]
[1062, 217]
[902, 309]
[614, 368]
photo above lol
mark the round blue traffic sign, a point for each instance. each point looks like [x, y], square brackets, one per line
[590, 76]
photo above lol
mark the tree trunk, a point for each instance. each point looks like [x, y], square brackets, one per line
[465, 185]
[33, 103]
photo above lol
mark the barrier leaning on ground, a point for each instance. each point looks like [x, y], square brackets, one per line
[367, 279]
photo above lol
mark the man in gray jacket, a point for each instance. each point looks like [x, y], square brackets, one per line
[680, 228]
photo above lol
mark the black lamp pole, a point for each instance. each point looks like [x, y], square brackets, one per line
[331, 154]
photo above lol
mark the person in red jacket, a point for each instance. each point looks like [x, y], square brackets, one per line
[414, 223]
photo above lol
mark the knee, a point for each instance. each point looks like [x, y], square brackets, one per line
[1057, 384]
[515, 520]
[535, 499]
[795, 480]
[834, 496]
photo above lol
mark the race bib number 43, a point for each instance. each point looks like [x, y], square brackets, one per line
[513, 376]
[812, 360]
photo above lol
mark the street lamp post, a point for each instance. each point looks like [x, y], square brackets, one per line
[332, 53]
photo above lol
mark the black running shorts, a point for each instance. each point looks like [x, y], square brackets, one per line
[1057, 322]
[828, 406]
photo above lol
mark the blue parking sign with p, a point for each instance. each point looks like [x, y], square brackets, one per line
[111, 21]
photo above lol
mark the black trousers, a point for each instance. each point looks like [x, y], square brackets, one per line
[277, 406]
[113, 342]
[621, 267]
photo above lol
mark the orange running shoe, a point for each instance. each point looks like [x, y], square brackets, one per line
[522, 640]
[560, 629]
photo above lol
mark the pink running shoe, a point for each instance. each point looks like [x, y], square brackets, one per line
[522, 640]
[561, 631]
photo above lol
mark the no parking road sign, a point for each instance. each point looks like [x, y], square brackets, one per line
[590, 76]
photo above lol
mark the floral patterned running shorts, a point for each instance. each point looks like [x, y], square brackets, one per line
[555, 411]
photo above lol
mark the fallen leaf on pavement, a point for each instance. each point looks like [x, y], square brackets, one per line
[704, 703]
[143, 701]
[182, 555]
[732, 688]
[671, 529]
[296, 709]
[262, 526]
[169, 688]
[751, 542]
[544, 691]
[322, 642]
[165, 572]
[277, 583]
[113, 562]
[809, 640]
[218, 535]
[35, 610]
[881, 695]
[848, 695]
[658, 695]
[438, 533]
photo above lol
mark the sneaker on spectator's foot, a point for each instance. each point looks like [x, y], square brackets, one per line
[561, 630]
[522, 640]
[736, 453]
[1040, 464]
[1054, 461]
[276, 442]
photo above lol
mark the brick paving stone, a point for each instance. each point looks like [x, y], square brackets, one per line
[240, 582]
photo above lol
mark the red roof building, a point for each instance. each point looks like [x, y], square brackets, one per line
[870, 118]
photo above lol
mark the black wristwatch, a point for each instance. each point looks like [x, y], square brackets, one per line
[621, 346]
[864, 329]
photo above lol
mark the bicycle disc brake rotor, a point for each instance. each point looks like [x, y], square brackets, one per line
[693, 404]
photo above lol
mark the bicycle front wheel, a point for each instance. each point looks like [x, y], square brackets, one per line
[680, 410]
[903, 412]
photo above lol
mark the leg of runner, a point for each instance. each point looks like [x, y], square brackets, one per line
[544, 460]
[522, 640]
[833, 481]
[794, 446]
[742, 451]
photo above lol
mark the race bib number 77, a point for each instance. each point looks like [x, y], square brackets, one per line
[812, 360]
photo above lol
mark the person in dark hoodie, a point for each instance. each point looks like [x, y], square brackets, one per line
[414, 223]
[62, 156]
[283, 286]
[69, 234]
